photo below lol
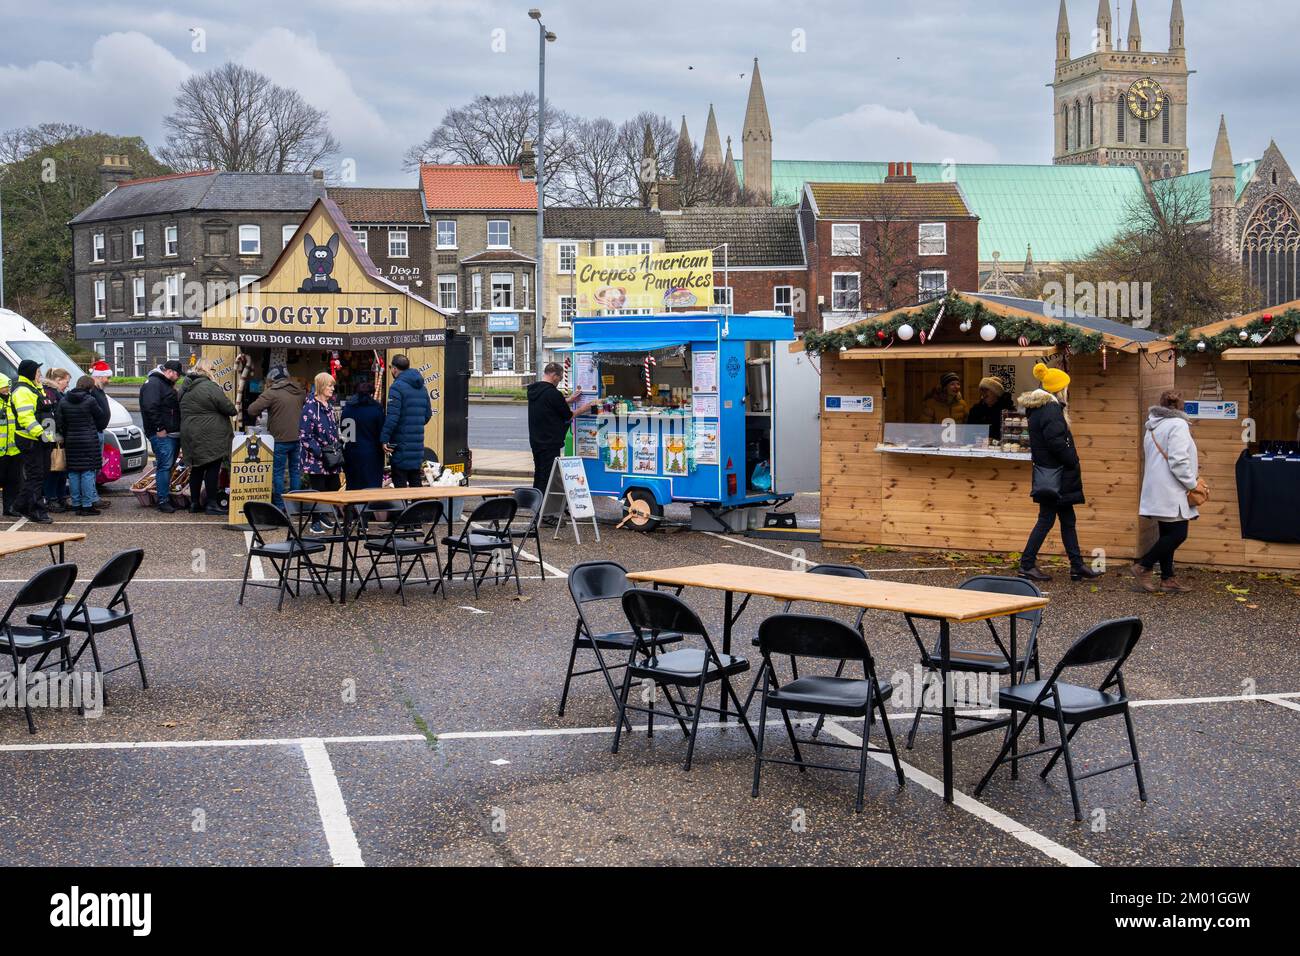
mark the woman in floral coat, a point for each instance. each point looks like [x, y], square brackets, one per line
[321, 451]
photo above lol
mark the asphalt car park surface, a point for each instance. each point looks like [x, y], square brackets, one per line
[377, 734]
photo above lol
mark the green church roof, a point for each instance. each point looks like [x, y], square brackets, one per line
[1064, 212]
[1199, 182]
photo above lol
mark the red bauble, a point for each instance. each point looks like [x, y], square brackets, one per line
[1268, 318]
[880, 335]
[1023, 341]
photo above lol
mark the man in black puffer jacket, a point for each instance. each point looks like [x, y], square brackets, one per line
[160, 410]
[80, 419]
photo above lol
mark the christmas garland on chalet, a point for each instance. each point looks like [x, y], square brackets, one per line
[971, 319]
[1282, 328]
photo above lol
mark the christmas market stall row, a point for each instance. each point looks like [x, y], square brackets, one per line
[324, 307]
[1241, 382]
[910, 459]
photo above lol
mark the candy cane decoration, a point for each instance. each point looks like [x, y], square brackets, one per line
[565, 383]
[649, 361]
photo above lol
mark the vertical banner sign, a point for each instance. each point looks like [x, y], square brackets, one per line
[656, 281]
[250, 472]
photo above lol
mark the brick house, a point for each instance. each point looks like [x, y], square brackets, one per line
[582, 231]
[391, 226]
[484, 229]
[765, 268]
[151, 254]
[877, 246]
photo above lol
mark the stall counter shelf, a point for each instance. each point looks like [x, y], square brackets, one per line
[956, 452]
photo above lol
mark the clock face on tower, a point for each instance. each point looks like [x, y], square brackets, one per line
[1146, 98]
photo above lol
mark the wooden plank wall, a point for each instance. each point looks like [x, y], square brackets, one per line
[933, 502]
[1215, 537]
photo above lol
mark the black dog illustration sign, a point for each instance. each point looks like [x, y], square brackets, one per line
[320, 263]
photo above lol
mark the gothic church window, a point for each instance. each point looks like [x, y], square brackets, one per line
[1270, 250]
[1078, 124]
[1091, 133]
[1119, 122]
[1164, 120]
[1065, 124]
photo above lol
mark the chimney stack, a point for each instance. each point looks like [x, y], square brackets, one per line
[527, 161]
[116, 168]
[900, 173]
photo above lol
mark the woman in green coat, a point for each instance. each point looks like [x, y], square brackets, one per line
[206, 434]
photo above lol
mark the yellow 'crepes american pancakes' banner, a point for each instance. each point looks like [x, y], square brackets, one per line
[658, 281]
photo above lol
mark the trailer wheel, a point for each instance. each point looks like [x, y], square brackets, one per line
[641, 511]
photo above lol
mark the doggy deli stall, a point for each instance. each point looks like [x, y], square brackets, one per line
[687, 412]
[901, 467]
[323, 307]
[1240, 381]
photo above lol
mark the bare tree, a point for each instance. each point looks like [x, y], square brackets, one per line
[597, 173]
[663, 139]
[234, 118]
[888, 259]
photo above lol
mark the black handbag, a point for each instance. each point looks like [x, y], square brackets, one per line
[1046, 483]
[332, 457]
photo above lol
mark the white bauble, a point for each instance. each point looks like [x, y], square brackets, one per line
[1200, 346]
[988, 333]
[905, 333]
[966, 326]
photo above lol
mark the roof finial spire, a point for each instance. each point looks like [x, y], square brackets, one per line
[1103, 26]
[1176, 27]
[1062, 35]
[1134, 29]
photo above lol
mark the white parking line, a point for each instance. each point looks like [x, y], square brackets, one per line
[255, 569]
[1277, 699]
[1001, 821]
[17, 524]
[549, 568]
[339, 834]
[731, 539]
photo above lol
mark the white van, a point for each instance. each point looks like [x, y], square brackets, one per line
[20, 339]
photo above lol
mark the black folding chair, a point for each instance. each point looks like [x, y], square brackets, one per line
[591, 584]
[529, 500]
[400, 544]
[293, 552]
[1111, 643]
[823, 638]
[91, 620]
[47, 588]
[656, 613]
[309, 513]
[831, 570]
[1007, 659]
[486, 535]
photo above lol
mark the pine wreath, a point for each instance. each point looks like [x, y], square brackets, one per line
[1279, 328]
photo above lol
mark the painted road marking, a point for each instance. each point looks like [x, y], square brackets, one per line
[340, 836]
[256, 571]
[1001, 821]
[791, 557]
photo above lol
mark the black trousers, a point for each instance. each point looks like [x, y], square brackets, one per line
[323, 482]
[11, 476]
[33, 465]
[543, 461]
[407, 477]
[1049, 512]
[210, 475]
[1172, 535]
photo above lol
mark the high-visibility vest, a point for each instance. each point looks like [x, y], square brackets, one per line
[8, 424]
[26, 398]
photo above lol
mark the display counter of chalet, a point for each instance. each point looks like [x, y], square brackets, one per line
[968, 490]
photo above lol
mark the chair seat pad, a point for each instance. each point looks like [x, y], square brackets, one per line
[1076, 701]
[27, 639]
[101, 618]
[970, 659]
[403, 546]
[842, 696]
[622, 640]
[687, 666]
[285, 549]
[478, 541]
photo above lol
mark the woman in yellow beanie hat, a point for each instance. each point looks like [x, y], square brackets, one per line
[1057, 484]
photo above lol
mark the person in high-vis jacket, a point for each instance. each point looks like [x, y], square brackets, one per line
[30, 437]
[11, 472]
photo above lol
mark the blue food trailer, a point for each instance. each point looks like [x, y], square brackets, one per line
[686, 412]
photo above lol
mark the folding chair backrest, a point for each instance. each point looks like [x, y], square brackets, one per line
[263, 516]
[1108, 642]
[528, 499]
[657, 612]
[117, 572]
[418, 514]
[999, 584]
[597, 581]
[811, 635]
[499, 512]
[836, 571]
[48, 586]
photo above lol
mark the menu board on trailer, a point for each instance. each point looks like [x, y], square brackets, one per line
[645, 453]
[706, 443]
[704, 406]
[584, 373]
[586, 443]
[704, 372]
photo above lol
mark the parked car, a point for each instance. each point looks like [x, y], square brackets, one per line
[21, 339]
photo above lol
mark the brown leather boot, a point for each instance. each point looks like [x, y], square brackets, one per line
[1172, 586]
[1144, 580]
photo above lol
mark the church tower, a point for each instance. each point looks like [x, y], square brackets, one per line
[711, 156]
[1118, 104]
[756, 140]
[1223, 195]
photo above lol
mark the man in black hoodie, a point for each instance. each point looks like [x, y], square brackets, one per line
[160, 411]
[549, 414]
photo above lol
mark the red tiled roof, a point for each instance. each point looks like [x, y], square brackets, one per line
[894, 200]
[365, 205]
[448, 186]
[158, 179]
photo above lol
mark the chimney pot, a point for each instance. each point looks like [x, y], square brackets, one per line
[318, 174]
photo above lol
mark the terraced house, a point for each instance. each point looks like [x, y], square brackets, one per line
[484, 230]
[391, 226]
[151, 254]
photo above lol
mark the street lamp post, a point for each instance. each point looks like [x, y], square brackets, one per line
[544, 36]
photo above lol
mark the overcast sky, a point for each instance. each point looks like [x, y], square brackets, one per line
[925, 80]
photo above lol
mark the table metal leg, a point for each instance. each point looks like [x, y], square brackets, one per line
[347, 550]
[945, 652]
[727, 602]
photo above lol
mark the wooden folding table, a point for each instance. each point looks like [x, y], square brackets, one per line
[16, 542]
[945, 605]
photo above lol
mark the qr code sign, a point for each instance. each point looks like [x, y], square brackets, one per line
[1005, 372]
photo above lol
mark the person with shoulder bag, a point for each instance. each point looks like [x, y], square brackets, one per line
[321, 450]
[1172, 490]
[1057, 482]
[55, 489]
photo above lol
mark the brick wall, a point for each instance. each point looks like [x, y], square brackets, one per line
[753, 290]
